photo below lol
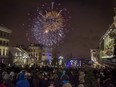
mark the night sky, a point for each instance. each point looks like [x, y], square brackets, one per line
[89, 21]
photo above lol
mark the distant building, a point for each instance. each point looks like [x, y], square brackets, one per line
[41, 54]
[33, 54]
[46, 55]
[19, 56]
[35, 51]
[4, 44]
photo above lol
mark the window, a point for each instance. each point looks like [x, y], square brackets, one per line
[0, 42]
[3, 52]
[7, 43]
[1, 34]
[4, 35]
[0, 52]
[7, 52]
[4, 43]
[7, 35]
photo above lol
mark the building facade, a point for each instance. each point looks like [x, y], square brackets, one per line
[46, 55]
[107, 45]
[41, 54]
[4, 44]
[35, 51]
[19, 56]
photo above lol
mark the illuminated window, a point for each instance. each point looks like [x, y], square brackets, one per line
[7, 52]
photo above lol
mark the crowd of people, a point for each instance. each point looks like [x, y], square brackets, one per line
[57, 77]
[105, 77]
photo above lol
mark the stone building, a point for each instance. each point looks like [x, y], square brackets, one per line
[4, 44]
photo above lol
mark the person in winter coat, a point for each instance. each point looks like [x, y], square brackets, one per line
[3, 84]
[51, 84]
[22, 82]
[35, 80]
[67, 84]
[81, 76]
[80, 85]
[65, 80]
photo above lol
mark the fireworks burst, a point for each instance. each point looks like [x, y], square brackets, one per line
[50, 24]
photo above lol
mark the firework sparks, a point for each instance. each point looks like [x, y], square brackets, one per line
[50, 25]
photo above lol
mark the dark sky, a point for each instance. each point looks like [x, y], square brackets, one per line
[89, 21]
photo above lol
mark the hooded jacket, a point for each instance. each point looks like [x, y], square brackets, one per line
[22, 82]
